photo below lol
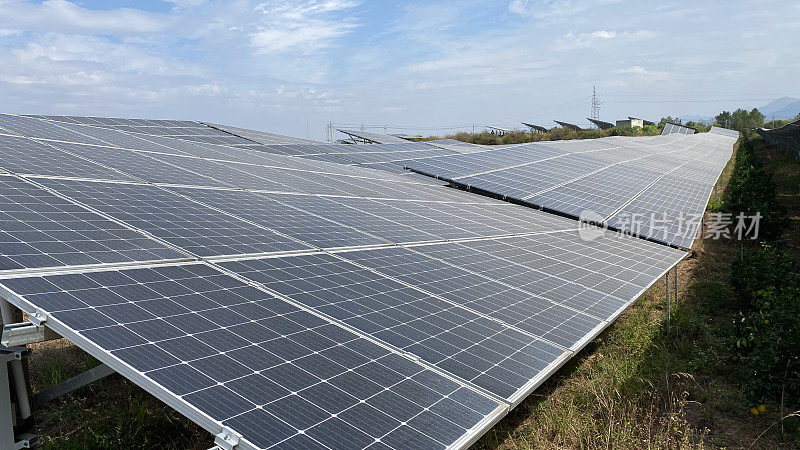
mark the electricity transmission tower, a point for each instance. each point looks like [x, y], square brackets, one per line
[595, 104]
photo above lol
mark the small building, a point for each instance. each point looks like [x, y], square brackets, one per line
[631, 122]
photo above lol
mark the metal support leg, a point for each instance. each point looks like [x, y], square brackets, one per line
[666, 278]
[74, 383]
[7, 314]
[675, 285]
[7, 438]
[6, 415]
[22, 392]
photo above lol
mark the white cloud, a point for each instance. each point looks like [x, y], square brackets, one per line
[268, 64]
[575, 40]
[644, 74]
[64, 16]
[553, 8]
[302, 27]
[187, 3]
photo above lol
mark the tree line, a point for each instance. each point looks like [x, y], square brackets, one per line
[740, 120]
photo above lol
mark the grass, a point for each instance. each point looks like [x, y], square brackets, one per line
[554, 134]
[641, 384]
[111, 413]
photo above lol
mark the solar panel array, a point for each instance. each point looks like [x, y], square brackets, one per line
[725, 132]
[180, 129]
[603, 125]
[376, 138]
[261, 137]
[456, 146]
[786, 138]
[655, 187]
[300, 303]
[375, 156]
[670, 128]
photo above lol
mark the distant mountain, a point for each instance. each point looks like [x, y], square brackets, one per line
[782, 108]
[695, 118]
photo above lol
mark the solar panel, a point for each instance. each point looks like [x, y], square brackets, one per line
[602, 193]
[597, 278]
[137, 164]
[725, 132]
[25, 156]
[604, 176]
[532, 314]
[229, 355]
[198, 229]
[284, 217]
[474, 348]
[373, 137]
[261, 137]
[35, 128]
[39, 229]
[179, 129]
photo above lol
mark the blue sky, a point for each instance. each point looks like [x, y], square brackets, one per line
[292, 66]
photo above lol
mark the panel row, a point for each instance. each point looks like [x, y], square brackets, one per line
[50, 222]
[611, 180]
[100, 153]
[231, 355]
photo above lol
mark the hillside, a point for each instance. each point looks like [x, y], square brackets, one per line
[781, 109]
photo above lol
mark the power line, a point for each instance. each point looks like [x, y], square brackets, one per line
[693, 101]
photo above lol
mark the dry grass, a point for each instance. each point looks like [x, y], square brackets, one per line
[111, 413]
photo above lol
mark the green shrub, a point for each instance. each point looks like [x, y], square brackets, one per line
[624, 131]
[751, 190]
[761, 269]
[715, 204]
[650, 130]
[766, 283]
[768, 328]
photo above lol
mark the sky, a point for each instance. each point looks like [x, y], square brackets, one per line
[427, 67]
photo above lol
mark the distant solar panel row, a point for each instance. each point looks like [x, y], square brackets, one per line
[180, 129]
[376, 138]
[372, 156]
[167, 160]
[629, 184]
[261, 137]
[670, 128]
[301, 303]
[786, 138]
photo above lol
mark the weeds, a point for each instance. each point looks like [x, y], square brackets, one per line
[555, 134]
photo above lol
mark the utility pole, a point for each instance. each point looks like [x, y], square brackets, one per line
[595, 113]
[329, 132]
